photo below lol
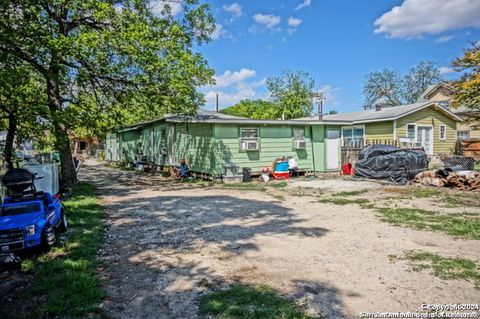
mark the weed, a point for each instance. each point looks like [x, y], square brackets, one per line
[462, 200]
[245, 186]
[343, 201]
[464, 225]
[28, 265]
[249, 302]
[351, 193]
[444, 267]
[278, 185]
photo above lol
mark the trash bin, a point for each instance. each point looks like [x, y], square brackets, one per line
[247, 174]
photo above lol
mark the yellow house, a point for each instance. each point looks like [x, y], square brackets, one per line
[426, 123]
[442, 94]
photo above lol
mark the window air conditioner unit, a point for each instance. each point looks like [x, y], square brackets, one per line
[300, 145]
[250, 146]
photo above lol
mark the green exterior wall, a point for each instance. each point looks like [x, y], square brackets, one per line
[207, 147]
[318, 140]
[274, 141]
[129, 145]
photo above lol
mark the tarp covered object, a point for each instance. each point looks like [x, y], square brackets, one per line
[390, 163]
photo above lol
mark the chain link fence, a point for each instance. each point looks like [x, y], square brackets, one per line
[458, 162]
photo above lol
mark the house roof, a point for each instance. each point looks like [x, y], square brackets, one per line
[205, 116]
[431, 88]
[385, 114]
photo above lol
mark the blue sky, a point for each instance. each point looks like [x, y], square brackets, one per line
[337, 42]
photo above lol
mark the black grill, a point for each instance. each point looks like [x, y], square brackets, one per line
[11, 236]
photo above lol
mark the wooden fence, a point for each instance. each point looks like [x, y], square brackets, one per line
[351, 149]
[470, 148]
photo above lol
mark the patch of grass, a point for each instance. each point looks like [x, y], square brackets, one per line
[278, 185]
[344, 201]
[28, 265]
[464, 225]
[245, 186]
[462, 200]
[66, 275]
[426, 192]
[444, 267]
[351, 193]
[249, 302]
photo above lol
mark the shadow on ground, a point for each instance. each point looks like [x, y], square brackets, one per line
[156, 246]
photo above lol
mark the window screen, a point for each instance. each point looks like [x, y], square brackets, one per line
[298, 133]
[443, 132]
[411, 131]
[353, 135]
[249, 133]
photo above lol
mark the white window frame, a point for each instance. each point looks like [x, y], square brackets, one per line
[444, 138]
[242, 139]
[415, 131]
[248, 138]
[353, 127]
[300, 138]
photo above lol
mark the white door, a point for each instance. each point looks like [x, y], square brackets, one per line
[333, 149]
[425, 137]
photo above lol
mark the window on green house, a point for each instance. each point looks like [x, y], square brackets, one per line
[249, 133]
[353, 135]
[298, 133]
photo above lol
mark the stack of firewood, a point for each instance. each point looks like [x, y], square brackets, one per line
[469, 181]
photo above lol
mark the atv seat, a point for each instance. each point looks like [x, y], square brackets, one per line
[28, 196]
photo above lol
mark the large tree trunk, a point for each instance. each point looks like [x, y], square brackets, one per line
[11, 130]
[68, 172]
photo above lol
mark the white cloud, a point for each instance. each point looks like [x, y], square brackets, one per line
[226, 99]
[445, 70]
[165, 7]
[228, 77]
[443, 39]
[329, 94]
[304, 4]
[220, 32]
[294, 22]
[268, 20]
[234, 86]
[414, 18]
[234, 9]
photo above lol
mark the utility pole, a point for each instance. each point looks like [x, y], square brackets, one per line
[216, 104]
[320, 109]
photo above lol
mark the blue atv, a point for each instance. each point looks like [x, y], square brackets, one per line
[28, 219]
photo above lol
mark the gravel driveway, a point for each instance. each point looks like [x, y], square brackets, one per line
[168, 243]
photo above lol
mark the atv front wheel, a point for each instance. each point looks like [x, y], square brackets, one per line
[63, 226]
[49, 238]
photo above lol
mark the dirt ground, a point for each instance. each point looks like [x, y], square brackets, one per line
[169, 242]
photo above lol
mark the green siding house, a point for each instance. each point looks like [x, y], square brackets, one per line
[209, 141]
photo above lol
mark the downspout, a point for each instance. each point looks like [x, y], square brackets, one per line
[313, 151]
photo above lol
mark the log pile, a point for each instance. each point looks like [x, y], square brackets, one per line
[464, 180]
